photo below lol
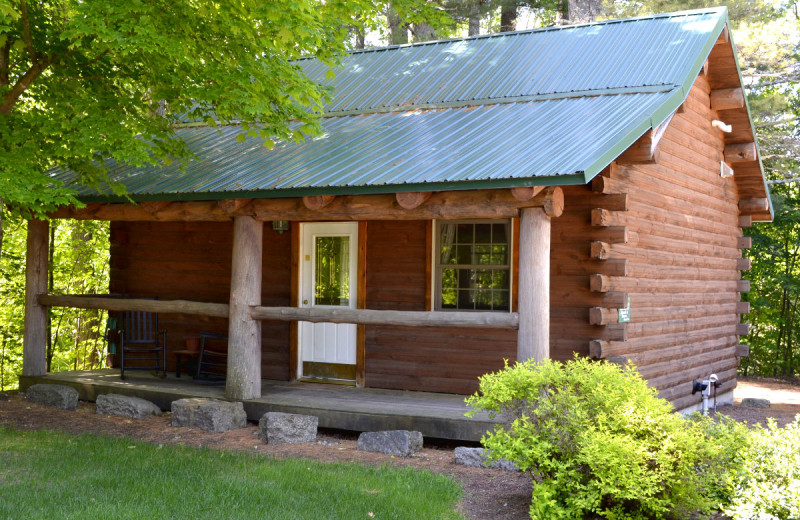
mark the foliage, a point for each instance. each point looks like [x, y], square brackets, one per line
[79, 265]
[84, 82]
[598, 440]
[88, 477]
[767, 485]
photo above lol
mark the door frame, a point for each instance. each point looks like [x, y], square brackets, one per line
[361, 299]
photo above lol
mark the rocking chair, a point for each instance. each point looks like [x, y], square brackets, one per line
[142, 345]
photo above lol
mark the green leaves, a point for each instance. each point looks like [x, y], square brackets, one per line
[599, 441]
[124, 72]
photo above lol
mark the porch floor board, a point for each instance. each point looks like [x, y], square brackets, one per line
[340, 407]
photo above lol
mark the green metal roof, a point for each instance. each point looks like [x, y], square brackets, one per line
[549, 106]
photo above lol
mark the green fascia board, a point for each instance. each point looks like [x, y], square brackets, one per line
[555, 180]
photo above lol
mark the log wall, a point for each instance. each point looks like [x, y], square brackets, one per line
[428, 359]
[192, 261]
[682, 258]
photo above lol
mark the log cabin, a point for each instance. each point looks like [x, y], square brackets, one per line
[527, 195]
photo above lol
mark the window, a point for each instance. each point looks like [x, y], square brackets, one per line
[473, 265]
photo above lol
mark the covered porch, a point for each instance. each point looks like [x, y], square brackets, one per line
[251, 257]
[340, 407]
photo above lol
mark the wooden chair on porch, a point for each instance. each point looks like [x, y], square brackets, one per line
[212, 363]
[142, 346]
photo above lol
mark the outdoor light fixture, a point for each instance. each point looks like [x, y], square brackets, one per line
[280, 225]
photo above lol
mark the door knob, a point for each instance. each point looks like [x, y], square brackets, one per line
[305, 302]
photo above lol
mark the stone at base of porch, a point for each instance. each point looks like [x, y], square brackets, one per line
[340, 407]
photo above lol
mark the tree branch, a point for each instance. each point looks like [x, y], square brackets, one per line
[5, 54]
[22, 84]
[26, 33]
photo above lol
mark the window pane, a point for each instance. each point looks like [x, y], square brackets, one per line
[481, 255]
[332, 277]
[465, 299]
[499, 255]
[500, 233]
[500, 300]
[464, 233]
[463, 255]
[483, 299]
[483, 233]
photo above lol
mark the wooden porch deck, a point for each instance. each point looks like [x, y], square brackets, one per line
[341, 407]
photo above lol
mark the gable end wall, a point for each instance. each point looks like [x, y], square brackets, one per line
[682, 251]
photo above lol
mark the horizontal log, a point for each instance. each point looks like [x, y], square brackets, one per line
[743, 329]
[753, 205]
[603, 316]
[742, 307]
[231, 206]
[743, 350]
[414, 199]
[496, 203]
[612, 202]
[686, 363]
[615, 299]
[609, 186]
[662, 355]
[599, 283]
[727, 98]
[526, 193]
[600, 250]
[745, 221]
[744, 242]
[496, 320]
[743, 264]
[742, 152]
[217, 310]
[597, 348]
[743, 285]
[644, 344]
[317, 202]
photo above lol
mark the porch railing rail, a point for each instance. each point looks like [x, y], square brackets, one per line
[316, 314]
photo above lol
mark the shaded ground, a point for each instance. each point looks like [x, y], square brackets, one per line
[488, 494]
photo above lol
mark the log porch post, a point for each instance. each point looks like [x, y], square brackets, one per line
[533, 337]
[243, 379]
[34, 350]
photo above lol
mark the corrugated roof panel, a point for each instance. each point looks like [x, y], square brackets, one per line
[484, 144]
[617, 54]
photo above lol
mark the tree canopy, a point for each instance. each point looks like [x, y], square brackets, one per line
[81, 82]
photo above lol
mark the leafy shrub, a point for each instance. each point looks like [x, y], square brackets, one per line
[767, 485]
[599, 441]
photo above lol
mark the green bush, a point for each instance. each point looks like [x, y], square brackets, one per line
[599, 441]
[767, 484]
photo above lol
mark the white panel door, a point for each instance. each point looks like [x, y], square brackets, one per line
[328, 278]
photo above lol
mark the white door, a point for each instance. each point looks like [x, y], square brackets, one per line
[328, 278]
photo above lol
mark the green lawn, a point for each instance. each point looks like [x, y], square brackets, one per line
[53, 475]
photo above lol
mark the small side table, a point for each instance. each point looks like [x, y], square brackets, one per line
[186, 359]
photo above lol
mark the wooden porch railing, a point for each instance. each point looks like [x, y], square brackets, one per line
[316, 314]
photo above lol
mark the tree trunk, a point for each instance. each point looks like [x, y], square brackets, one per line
[2, 208]
[34, 344]
[423, 32]
[50, 285]
[360, 35]
[508, 17]
[582, 11]
[475, 19]
[398, 30]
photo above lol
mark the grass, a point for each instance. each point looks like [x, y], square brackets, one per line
[55, 475]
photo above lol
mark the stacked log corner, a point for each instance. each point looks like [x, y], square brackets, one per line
[676, 245]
